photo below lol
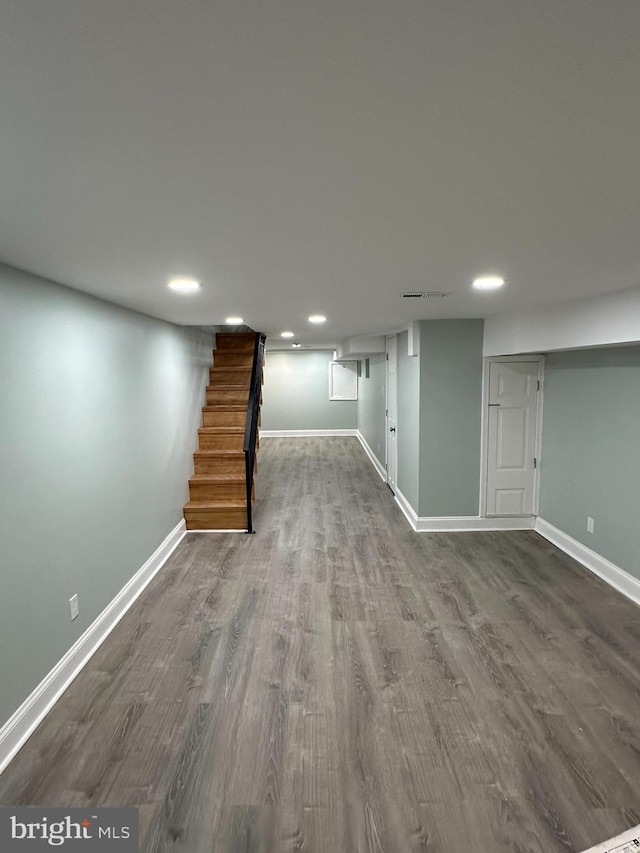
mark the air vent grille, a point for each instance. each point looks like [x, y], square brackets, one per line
[428, 294]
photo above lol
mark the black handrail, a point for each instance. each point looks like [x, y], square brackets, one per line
[251, 427]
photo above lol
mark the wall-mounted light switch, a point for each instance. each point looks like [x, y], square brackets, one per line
[589, 524]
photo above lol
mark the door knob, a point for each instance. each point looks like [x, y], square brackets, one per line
[392, 429]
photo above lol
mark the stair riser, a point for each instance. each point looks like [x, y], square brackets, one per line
[218, 491]
[227, 398]
[219, 466]
[221, 419]
[216, 465]
[235, 336]
[221, 442]
[216, 519]
[232, 359]
[235, 344]
[220, 376]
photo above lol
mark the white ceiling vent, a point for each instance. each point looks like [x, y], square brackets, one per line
[428, 294]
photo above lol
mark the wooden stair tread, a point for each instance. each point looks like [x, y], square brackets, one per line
[217, 478]
[226, 387]
[244, 347]
[224, 407]
[232, 368]
[236, 335]
[230, 504]
[220, 451]
[222, 430]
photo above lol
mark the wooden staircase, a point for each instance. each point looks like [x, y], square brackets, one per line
[217, 489]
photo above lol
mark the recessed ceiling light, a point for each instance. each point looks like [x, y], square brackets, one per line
[234, 321]
[488, 282]
[286, 334]
[296, 345]
[317, 318]
[184, 285]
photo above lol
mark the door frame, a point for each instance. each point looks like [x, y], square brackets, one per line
[386, 415]
[484, 430]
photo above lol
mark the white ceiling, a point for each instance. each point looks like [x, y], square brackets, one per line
[322, 155]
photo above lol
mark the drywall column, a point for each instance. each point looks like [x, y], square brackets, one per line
[408, 424]
[450, 417]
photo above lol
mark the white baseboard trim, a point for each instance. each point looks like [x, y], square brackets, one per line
[461, 523]
[29, 715]
[374, 459]
[304, 433]
[616, 577]
[407, 510]
[474, 523]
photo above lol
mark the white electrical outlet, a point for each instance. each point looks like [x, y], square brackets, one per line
[74, 607]
[589, 524]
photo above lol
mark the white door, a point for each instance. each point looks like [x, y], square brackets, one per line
[392, 411]
[513, 406]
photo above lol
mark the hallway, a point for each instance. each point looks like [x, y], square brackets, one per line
[339, 683]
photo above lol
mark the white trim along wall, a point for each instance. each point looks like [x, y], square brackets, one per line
[425, 524]
[21, 725]
[616, 577]
[304, 433]
[373, 458]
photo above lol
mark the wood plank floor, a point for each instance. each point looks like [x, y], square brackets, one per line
[339, 683]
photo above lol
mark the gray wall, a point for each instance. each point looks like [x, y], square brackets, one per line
[591, 450]
[371, 404]
[450, 417]
[408, 425]
[98, 420]
[296, 393]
